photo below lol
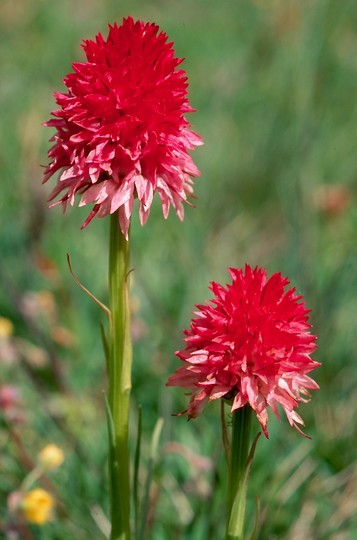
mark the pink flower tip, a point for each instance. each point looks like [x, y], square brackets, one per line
[250, 345]
[11, 404]
[121, 130]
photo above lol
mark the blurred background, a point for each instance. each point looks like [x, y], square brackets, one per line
[275, 84]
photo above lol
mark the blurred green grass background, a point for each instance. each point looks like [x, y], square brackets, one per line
[275, 84]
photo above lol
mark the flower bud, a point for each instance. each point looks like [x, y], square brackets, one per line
[50, 457]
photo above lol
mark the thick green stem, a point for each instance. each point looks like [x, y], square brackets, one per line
[119, 374]
[239, 454]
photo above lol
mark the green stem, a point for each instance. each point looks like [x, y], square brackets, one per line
[119, 374]
[239, 454]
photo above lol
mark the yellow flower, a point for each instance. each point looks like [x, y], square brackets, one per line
[6, 328]
[50, 457]
[37, 506]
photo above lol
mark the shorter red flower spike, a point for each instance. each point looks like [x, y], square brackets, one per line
[251, 344]
[121, 132]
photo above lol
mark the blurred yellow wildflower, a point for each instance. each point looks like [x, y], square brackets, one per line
[6, 327]
[50, 457]
[37, 506]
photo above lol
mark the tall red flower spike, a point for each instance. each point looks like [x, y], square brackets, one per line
[251, 344]
[121, 130]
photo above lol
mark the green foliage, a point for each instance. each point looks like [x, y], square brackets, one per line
[274, 82]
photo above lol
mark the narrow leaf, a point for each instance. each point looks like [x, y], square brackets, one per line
[110, 423]
[87, 291]
[257, 514]
[225, 438]
[236, 522]
[111, 436]
[151, 463]
[136, 471]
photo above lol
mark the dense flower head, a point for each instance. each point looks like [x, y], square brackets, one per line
[121, 130]
[250, 345]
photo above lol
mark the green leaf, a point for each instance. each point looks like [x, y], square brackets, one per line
[136, 471]
[153, 454]
[104, 343]
[111, 440]
[110, 423]
[236, 521]
[87, 291]
[256, 525]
